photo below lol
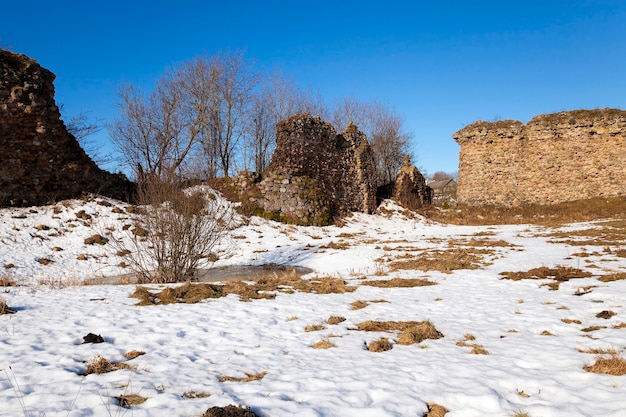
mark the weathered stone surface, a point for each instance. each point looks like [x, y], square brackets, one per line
[340, 167]
[554, 158]
[41, 161]
[410, 189]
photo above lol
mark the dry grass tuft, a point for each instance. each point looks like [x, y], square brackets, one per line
[570, 321]
[592, 328]
[6, 281]
[314, 327]
[247, 378]
[435, 410]
[559, 274]
[323, 344]
[101, 365]
[411, 332]
[399, 283]
[133, 354]
[619, 326]
[130, 400]
[599, 351]
[613, 277]
[335, 320]
[615, 365]
[443, 260]
[380, 345]
[546, 333]
[359, 304]
[476, 348]
[4, 308]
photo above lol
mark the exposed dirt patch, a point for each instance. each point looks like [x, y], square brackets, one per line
[229, 411]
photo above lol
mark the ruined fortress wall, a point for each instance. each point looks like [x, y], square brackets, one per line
[554, 158]
[40, 162]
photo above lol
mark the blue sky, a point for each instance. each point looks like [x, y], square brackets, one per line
[441, 65]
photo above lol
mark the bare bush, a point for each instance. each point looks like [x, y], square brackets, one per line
[176, 231]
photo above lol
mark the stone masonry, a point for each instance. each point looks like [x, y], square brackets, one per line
[554, 158]
[40, 161]
[410, 189]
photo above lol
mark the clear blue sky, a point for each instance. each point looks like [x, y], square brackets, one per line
[441, 64]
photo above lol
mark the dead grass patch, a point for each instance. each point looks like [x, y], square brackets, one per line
[130, 400]
[546, 333]
[247, 378]
[341, 245]
[133, 354]
[314, 327]
[571, 321]
[613, 277]
[380, 345]
[443, 260]
[410, 332]
[592, 328]
[476, 348]
[614, 365]
[436, 410]
[323, 344]
[100, 365]
[599, 351]
[619, 326]
[4, 308]
[570, 212]
[559, 274]
[359, 304]
[606, 314]
[264, 288]
[335, 320]
[399, 283]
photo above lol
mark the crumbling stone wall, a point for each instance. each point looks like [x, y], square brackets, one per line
[342, 165]
[554, 158]
[410, 189]
[40, 161]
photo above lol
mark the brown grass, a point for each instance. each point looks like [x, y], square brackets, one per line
[130, 400]
[599, 351]
[435, 410]
[264, 288]
[619, 326]
[411, 332]
[443, 260]
[4, 308]
[592, 328]
[101, 365]
[359, 304]
[399, 283]
[323, 344]
[380, 345]
[606, 314]
[613, 277]
[133, 354]
[7, 281]
[314, 327]
[247, 378]
[615, 365]
[570, 321]
[575, 211]
[335, 320]
[559, 274]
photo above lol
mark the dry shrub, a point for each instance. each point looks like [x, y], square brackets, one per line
[435, 410]
[559, 273]
[410, 331]
[615, 365]
[314, 327]
[335, 320]
[130, 400]
[247, 378]
[4, 308]
[399, 283]
[323, 344]
[133, 354]
[101, 365]
[613, 277]
[380, 345]
[443, 260]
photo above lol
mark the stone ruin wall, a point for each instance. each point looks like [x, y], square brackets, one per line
[554, 158]
[40, 161]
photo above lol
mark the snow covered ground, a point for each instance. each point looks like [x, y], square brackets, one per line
[532, 342]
